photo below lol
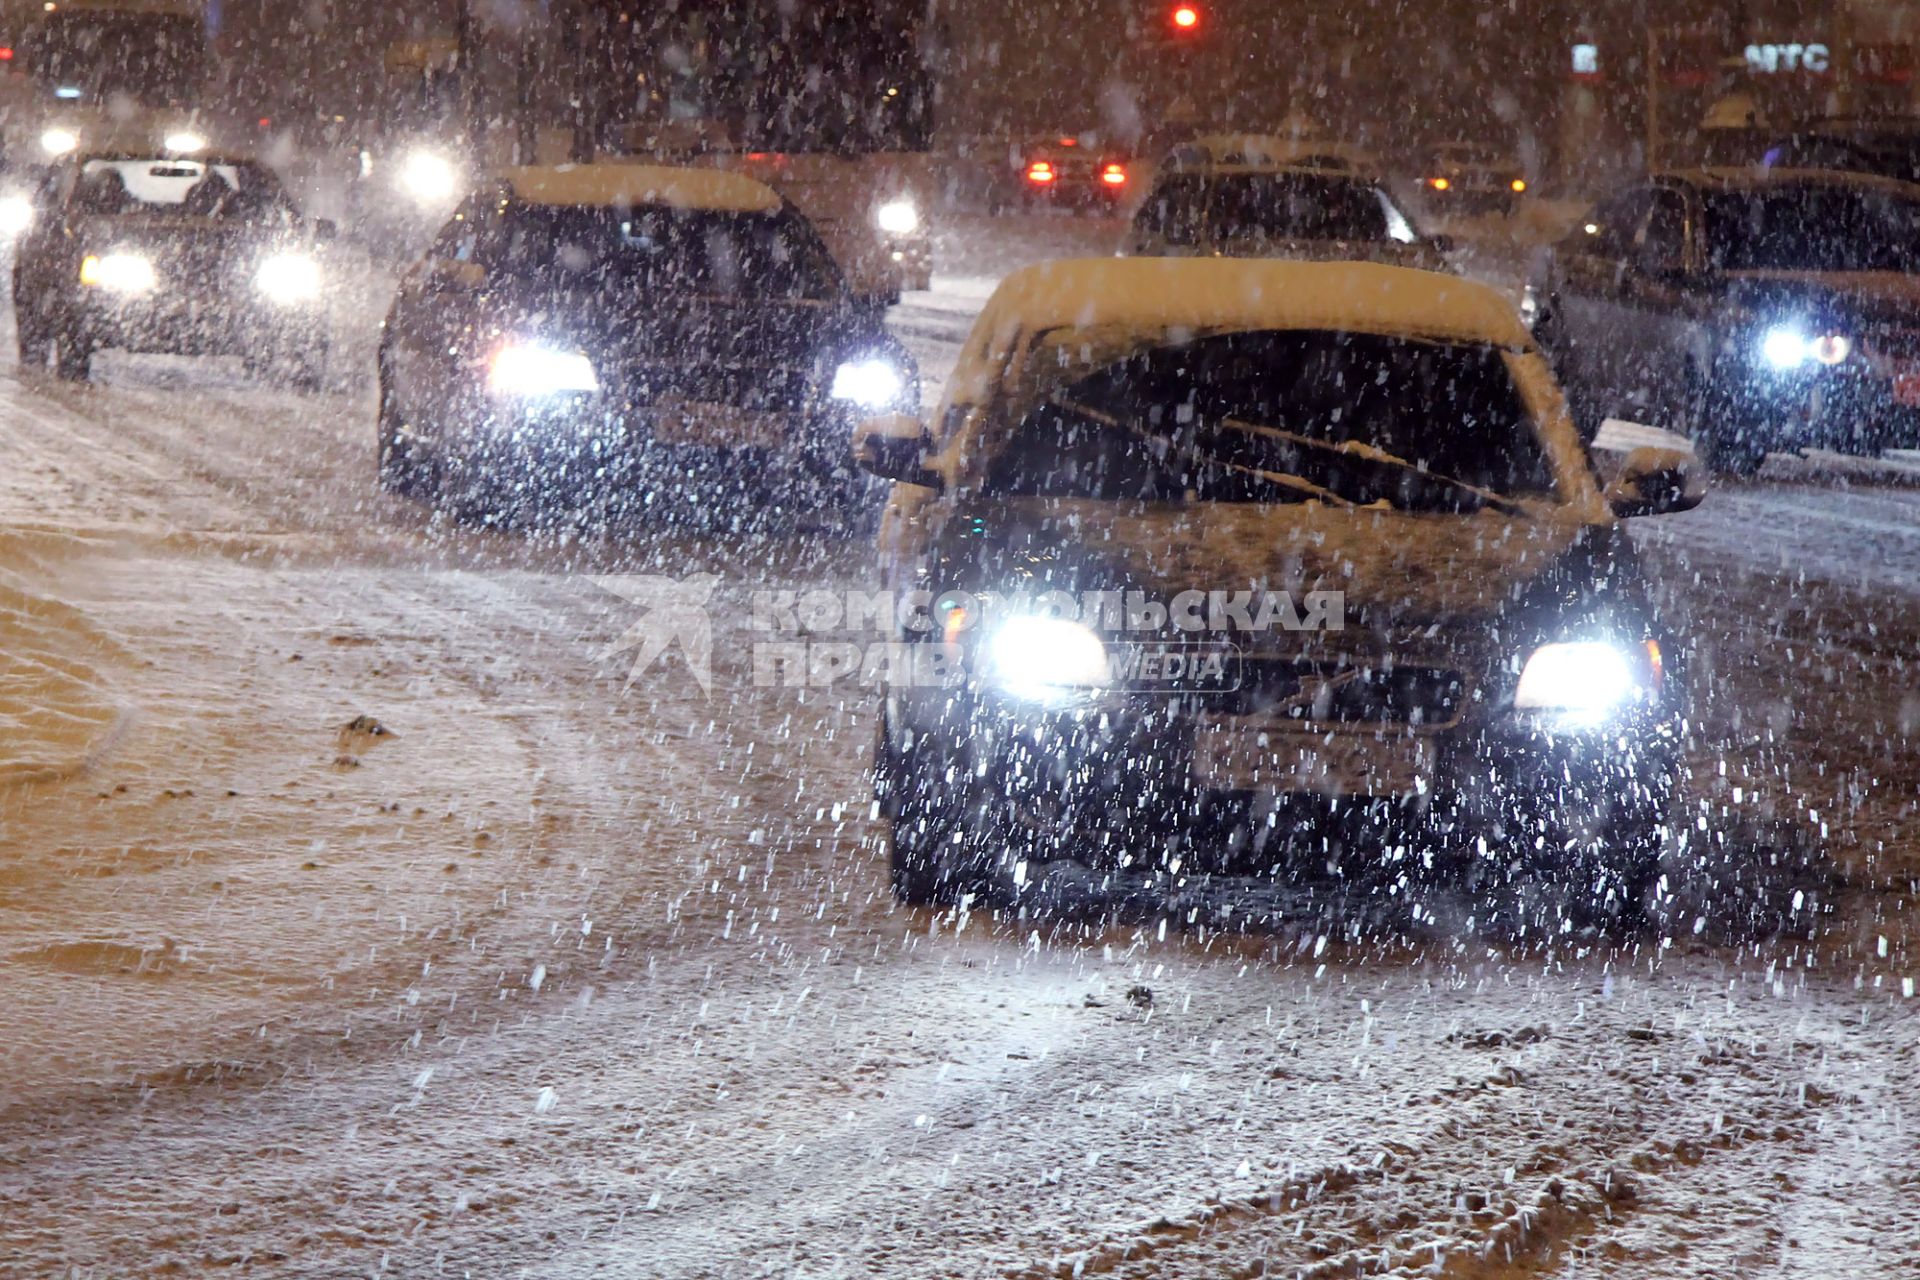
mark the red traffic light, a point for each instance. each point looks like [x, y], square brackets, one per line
[1185, 17]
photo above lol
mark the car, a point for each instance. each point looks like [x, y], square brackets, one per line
[1306, 150]
[1472, 178]
[201, 255]
[615, 331]
[1889, 148]
[1751, 310]
[1276, 211]
[1070, 170]
[1239, 574]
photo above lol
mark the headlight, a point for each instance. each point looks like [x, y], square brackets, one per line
[185, 141]
[1587, 679]
[16, 215]
[532, 371]
[1789, 348]
[288, 277]
[57, 142]
[873, 383]
[897, 218]
[1046, 659]
[429, 177]
[118, 272]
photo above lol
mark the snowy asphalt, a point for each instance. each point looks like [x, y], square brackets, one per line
[359, 917]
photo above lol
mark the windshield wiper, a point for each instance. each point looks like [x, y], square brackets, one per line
[1298, 484]
[1370, 453]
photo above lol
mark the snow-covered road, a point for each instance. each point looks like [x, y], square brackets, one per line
[357, 917]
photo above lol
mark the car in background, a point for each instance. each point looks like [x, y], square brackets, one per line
[1887, 148]
[625, 333]
[1471, 178]
[1258, 150]
[1250, 211]
[1752, 310]
[200, 255]
[1068, 170]
[1131, 516]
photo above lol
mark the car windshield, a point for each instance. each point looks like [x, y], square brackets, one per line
[1294, 206]
[720, 254]
[92, 55]
[1188, 208]
[1813, 227]
[1280, 416]
[228, 191]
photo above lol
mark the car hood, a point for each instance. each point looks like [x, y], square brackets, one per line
[1876, 298]
[1459, 578]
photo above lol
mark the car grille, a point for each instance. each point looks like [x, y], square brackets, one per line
[1328, 693]
[753, 387]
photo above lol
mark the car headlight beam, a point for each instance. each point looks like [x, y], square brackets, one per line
[1788, 347]
[128, 273]
[429, 177]
[897, 217]
[872, 383]
[1042, 659]
[16, 214]
[529, 370]
[1587, 679]
[288, 278]
[58, 142]
[185, 141]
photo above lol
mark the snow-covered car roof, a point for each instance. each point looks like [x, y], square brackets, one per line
[1258, 150]
[1157, 294]
[641, 184]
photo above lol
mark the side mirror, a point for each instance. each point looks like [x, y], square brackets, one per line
[325, 230]
[1656, 482]
[895, 447]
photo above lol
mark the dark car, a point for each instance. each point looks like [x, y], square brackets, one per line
[1470, 178]
[201, 255]
[1888, 149]
[1751, 310]
[1076, 171]
[1250, 575]
[600, 331]
[1258, 211]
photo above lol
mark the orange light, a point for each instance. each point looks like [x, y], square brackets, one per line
[1657, 663]
[1069, 142]
[1114, 175]
[1439, 184]
[1040, 171]
[1518, 185]
[1186, 17]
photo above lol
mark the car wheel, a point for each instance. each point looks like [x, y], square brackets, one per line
[926, 864]
[401, 470]
[1725, 441]
[73, 359]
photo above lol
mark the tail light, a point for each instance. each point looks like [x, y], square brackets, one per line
[1519, 185]
[1114, 175]
[6, 53]
[1040, 171]
[1439, 184]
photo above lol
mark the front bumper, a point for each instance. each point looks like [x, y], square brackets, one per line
[189, 325]
[1846, 409]
[582, 445]
[1132, 788]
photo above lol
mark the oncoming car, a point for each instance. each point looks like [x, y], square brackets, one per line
[610, 331]
[1247, 573]
[202, 255]
[1753, 310]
